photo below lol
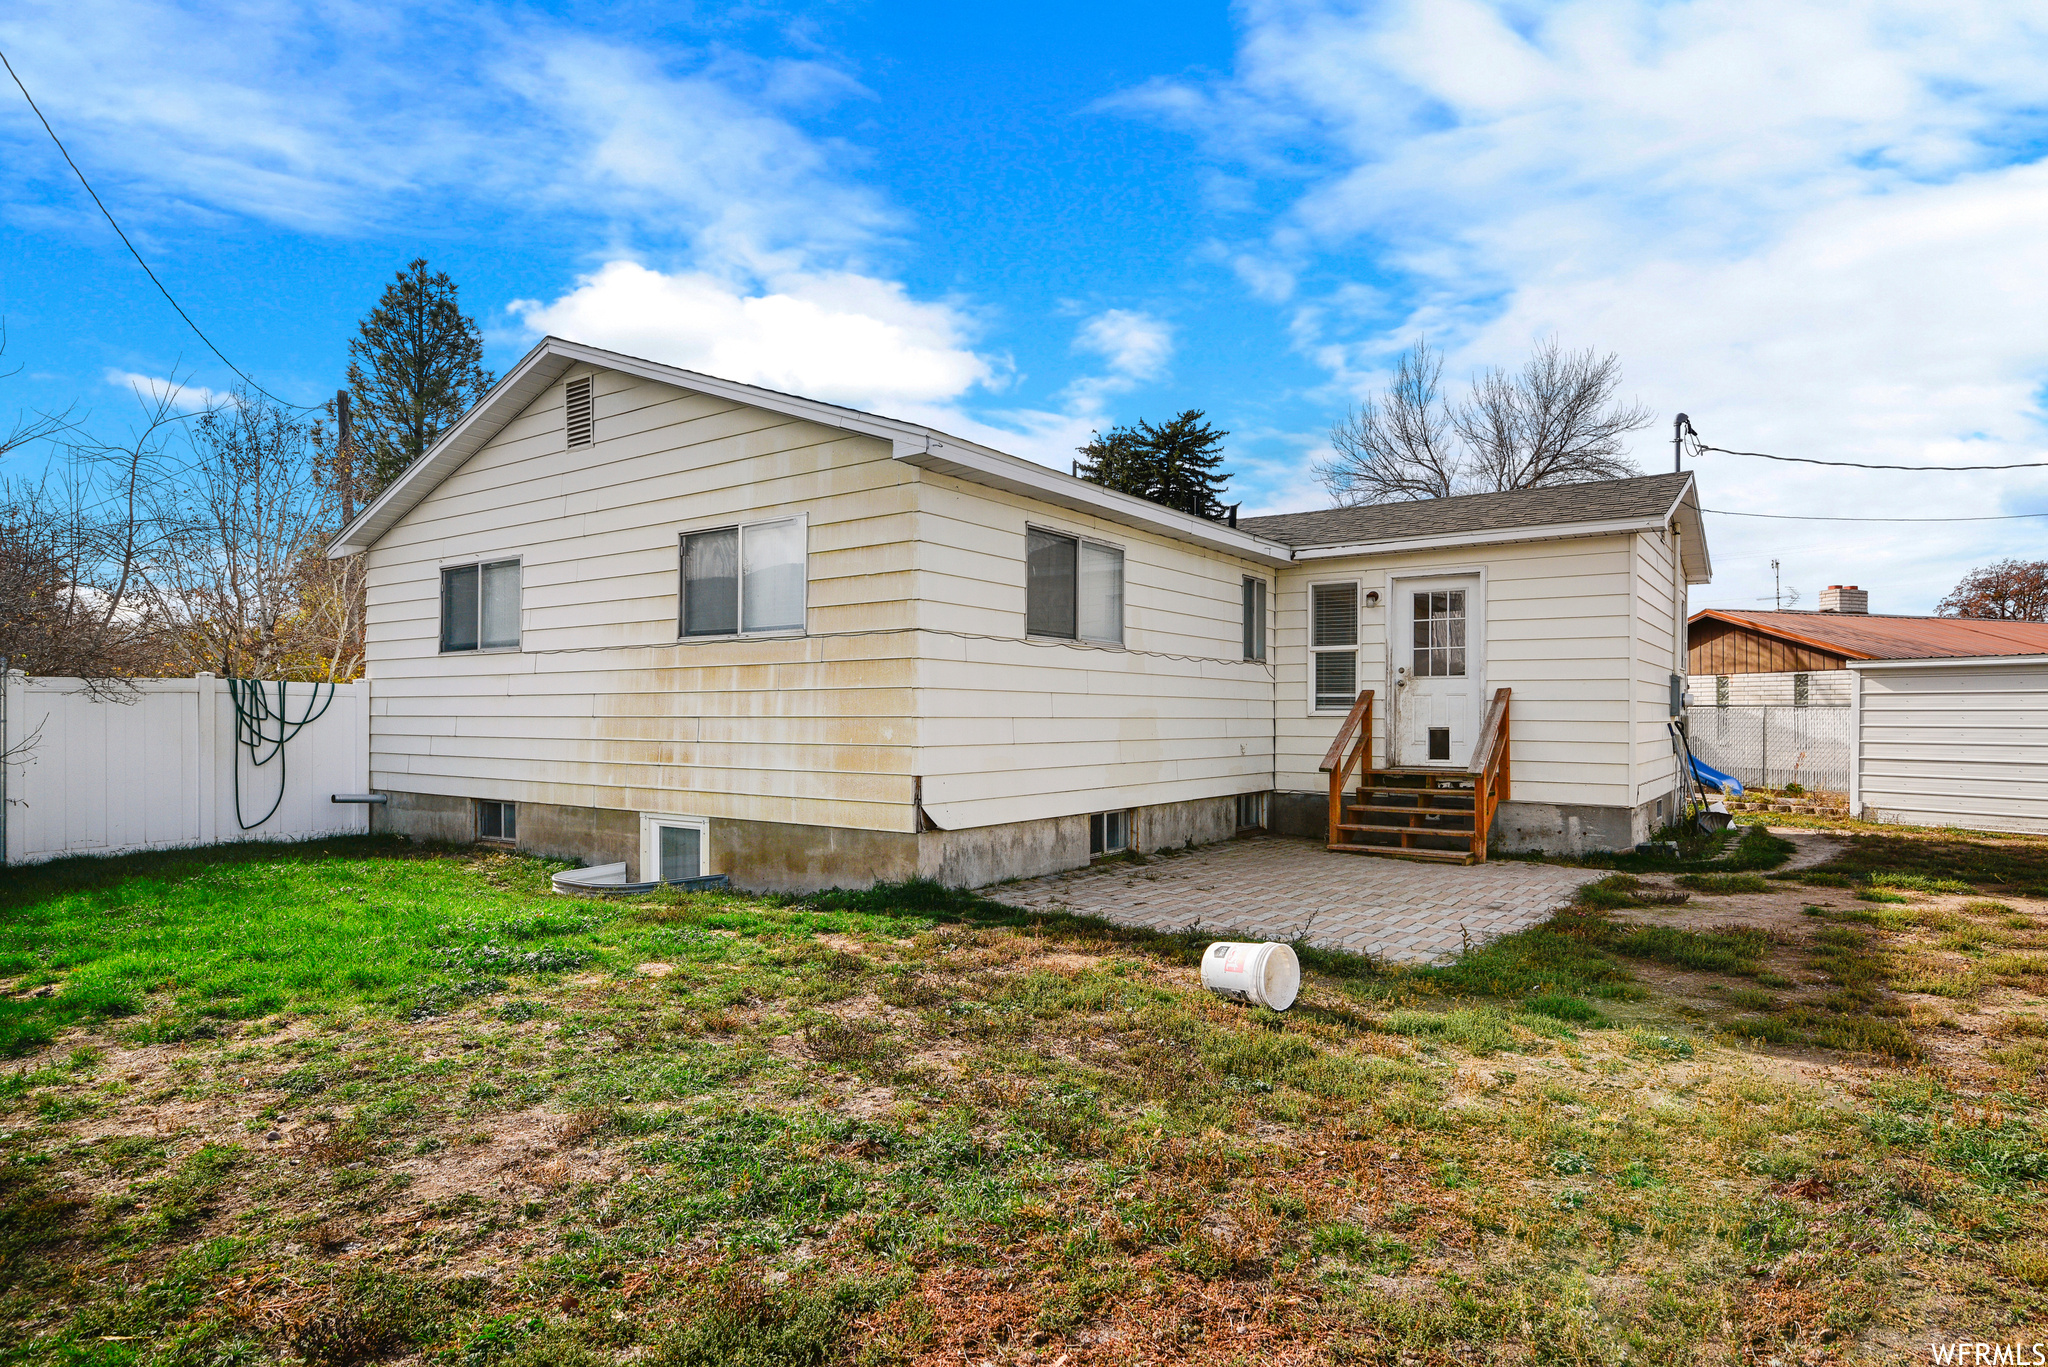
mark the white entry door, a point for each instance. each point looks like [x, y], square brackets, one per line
[1439, 630]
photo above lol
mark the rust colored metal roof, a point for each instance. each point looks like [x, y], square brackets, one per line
[1859, 636]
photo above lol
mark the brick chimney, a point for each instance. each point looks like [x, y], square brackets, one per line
[1845, 598]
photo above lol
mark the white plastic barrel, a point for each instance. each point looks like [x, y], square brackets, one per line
[1265, 975]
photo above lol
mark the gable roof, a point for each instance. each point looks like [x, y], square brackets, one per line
[913, 443]
[1592, 508]
[1858, 636]
[1601, 508]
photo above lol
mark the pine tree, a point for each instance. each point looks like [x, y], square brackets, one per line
[415, 366]
[1118, 462]
[1175, 463]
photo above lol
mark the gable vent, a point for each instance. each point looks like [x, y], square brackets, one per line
[580, 421]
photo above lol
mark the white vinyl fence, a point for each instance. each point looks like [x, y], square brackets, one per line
[165, 762]
[1771, 746]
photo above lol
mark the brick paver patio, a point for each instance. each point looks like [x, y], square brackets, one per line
[1271, 888]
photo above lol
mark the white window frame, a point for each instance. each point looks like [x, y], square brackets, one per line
[651, 824]
[1261, 612]
[1123, 560]
[479, 564]
[1357, 648]
[803, 522]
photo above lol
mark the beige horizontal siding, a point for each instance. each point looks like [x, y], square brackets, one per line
[602, 705]
[1958, 746]
[1557, 633]
[1017, 730]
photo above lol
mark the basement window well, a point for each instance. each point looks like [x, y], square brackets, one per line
[497, 822]
[673, 847]
[1109, 833]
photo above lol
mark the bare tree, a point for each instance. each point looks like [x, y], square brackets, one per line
[1554, 422]
[78, 548]
[250, 510]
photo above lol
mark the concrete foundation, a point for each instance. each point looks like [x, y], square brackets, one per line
[773, 856]
[1547, 827]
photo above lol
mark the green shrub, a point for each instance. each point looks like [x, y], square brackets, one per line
[1564, 1007]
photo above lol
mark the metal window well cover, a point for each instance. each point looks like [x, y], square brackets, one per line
[609, 880]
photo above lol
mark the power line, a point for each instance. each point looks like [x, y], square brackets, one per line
[1801, 517]
[1699, 447]
[130, 245]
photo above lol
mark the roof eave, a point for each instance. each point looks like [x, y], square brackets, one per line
[1693, 534]
[1555, 531]
[1933, 661]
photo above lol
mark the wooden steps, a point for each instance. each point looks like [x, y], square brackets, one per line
[1437, 815]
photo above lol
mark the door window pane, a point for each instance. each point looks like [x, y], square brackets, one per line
[1439, 646]
[500, 614]
[681, 852]
[1099, 605]
[711, 582]
[458, 608]
[1051, 569]
[772, 559]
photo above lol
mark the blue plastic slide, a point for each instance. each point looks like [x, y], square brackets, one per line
[1714, 778]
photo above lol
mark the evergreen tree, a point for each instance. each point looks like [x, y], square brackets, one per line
[1185, 456]
[1117, 461]
[415, 366]
[1174, 463]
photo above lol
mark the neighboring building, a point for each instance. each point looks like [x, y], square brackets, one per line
[623, 611]
[1774, 695]
[1737, 657]
[1951, 741]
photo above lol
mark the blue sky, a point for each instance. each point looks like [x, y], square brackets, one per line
[1814, 227]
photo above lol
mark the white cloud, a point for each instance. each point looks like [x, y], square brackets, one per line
[149, 390]
[1136, 345]
[845, 338]
[1809, 225]
[341, 121]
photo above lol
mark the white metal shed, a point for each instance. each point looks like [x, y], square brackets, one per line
[1951, 742]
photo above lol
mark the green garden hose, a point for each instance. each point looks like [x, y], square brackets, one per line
[253, 716]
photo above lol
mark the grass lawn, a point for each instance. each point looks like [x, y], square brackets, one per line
[359, 1101]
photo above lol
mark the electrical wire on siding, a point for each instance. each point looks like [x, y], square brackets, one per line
[1265, 665]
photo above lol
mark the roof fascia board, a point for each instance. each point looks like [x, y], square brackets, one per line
[1949, 661]
[946, 455]
[912, 443]
[1695, 531]
[1558, 531]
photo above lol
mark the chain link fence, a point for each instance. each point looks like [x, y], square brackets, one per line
[1769, 746]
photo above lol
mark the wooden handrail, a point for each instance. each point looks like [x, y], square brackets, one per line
[1360, 710]
[1493, 779]
[1491, 732]
[1356, 734]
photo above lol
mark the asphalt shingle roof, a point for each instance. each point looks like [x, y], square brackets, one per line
[1646, 496]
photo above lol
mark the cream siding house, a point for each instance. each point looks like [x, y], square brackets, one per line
[625, 612]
